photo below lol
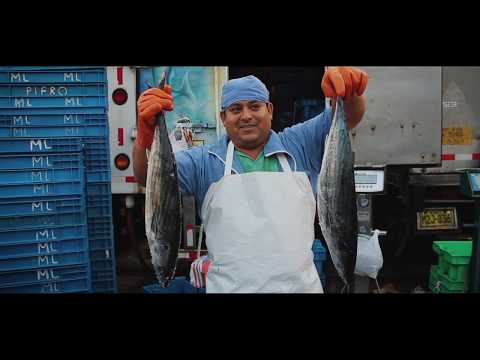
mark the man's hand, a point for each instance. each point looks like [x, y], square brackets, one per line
[149, 105]
[350, 83]
[344, 81]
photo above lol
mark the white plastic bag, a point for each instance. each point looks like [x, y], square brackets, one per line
[369, 255]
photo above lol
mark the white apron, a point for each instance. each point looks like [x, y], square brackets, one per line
[259, 232]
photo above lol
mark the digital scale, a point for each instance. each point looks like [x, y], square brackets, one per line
[368, 182]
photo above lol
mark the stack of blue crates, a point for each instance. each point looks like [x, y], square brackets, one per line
[99, 212]
[56, 230]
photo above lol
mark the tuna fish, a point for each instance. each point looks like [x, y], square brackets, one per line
[163, 207]
[336, 199]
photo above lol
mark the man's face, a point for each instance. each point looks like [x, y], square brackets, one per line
[248, 123]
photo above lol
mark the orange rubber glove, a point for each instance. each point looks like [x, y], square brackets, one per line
[344, 81]
[150, 103]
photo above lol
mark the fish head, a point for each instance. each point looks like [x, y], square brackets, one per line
[161, 252]
[248, 123]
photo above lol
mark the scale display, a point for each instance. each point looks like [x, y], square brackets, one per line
[369, 181]
[470, 183]
[475, 182]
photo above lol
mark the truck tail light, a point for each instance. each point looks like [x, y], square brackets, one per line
[122, 161]
[119, 96]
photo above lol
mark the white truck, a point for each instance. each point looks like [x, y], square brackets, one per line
[419, 129]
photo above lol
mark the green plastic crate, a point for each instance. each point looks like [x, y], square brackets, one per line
[452, 286]
[439, 283]
[453, 259]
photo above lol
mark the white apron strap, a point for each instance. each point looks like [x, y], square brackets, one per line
[200, 240]
[284, 162]
[229, 159]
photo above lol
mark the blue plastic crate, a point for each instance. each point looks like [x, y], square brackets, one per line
[44, 260]
[102, 265]
[319, 257]
[42, 221]
[97, 175]
[91, 162]
[52, 90]
[44, 248]
[98, 199]
[100, 233]
[92, 158]
[39, 145]
[102, 255]
[100, 226]
[51, 76]
[97, 161]
[94, 154]
[99, 206]
[105, 236]
[51, 233]
[99, 188]
[34, 111]
[319, 252]
[54, 120]
[40, 161]
[52, 102]
[104, 286]
[99, 145]
[99, 243]
[103, 271]
[179, 285]
[53, 287]
[96, 143]
[53, 131]
[95, 211]
[40, 176]
[104, 275]
[41, 206]
[93, 149]
[44, 275]
[41, 190]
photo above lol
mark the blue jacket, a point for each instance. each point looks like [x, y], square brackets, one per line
[302, 143]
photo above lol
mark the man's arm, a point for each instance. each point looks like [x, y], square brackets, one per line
[140, 164]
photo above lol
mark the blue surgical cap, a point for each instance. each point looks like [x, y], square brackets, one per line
[245, 88]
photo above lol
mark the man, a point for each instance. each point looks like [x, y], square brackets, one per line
[259, 221]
